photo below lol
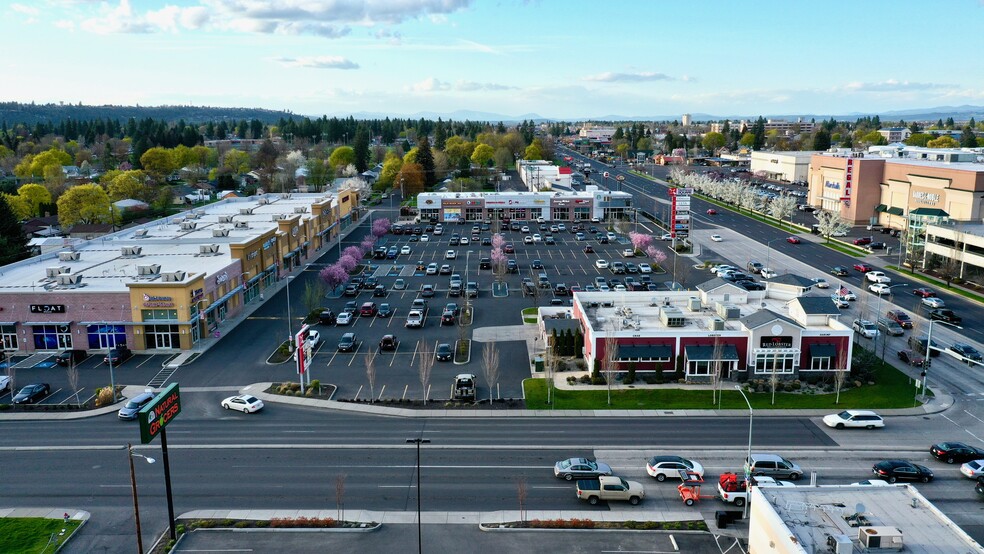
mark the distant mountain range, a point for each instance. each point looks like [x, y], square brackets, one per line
[15, 112]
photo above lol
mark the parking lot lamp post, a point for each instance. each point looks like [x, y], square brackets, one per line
[110, 344]
[418, 441]
[750, 414]
[768, 251]
[929, 350]
[133, 488]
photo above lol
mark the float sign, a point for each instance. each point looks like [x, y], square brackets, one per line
[161, 410]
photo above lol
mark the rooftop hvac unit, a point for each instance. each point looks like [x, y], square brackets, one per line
[69, 280]
[178, 220]
[728, 311]
[693, 304]
[139, 233]
[300, 209]
[220, 232]
[208, 249]
[263, 201]
[671, 316]
[188, 226]
[242, 225]
[68, 256]
[225, 219]
[285, 195]
[717, 324]
[277, 217]
[193, 215]
[149, 269]
[55, 271]
[130, 251]
[840, 544]
[245, 211]
[173, 276]
[880, 537]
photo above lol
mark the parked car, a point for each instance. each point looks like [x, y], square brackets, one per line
[901, 470]
[130, 410]
[313, 338]
[244, 402]
[117, 355]
[645, 268]
[954, 452]
[865, 328]
[485, 263]
[379, 291]
[32, 393]
[427, 291]
[384, 310]
[580, 468]
[964, 352]
[68, 357]
[661, 467]
[347, 343]
[326, 317]
[388, 343]
[861, 241]
[854, 418]
[911, 357]
[772, 465]
[601, 264]
[443, 352]
[431, 269]
[344, 318]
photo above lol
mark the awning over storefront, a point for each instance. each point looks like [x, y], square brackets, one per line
[223, 299]
[823, 351]
[895, 211]
[87, 323]
[47, 323]
[706, 353]
[930, 212]
[881, 208]
[8, 323]
[644, 352]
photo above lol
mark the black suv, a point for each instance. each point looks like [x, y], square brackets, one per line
[118, 355]
[68, 357]
[485, 263]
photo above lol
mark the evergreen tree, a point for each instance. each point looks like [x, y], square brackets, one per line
[426, 160]
[967, 137]
[821, 139]
[949, 123]
[360, 144]
[440, 134]
[13, 241]
[758, 129]
[939, 124]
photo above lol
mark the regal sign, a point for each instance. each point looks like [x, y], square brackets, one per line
[161, 411]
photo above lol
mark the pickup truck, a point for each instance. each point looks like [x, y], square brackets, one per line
[415, 319]
[463, 387]
[734, 490]
[609, 487]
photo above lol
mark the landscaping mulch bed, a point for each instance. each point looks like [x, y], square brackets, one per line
[438, 404]
[322, 392]
[575, 523]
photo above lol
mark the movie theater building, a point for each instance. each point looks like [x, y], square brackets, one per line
[592, 203]
[748, 335]
[162, 286]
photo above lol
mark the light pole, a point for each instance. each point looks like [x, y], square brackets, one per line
[768, 251]
[418, 441]
[133, 487]
[878, 314]
[748, 458]
[929, 350]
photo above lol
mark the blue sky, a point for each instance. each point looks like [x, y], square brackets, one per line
[556, 58]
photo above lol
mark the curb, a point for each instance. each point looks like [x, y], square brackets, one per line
[467, 360]
[373, 526]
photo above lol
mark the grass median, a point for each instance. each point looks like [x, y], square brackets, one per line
[34, 534]
[893, 389]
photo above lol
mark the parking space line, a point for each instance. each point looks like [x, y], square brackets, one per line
[355, 352]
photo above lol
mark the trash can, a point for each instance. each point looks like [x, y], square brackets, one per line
[722, 519]
[538, 364]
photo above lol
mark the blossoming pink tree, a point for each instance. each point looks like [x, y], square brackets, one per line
[353, 252]
[657, 254]
[380, 227]
[333, 275]
[348, 262]
[640, 241]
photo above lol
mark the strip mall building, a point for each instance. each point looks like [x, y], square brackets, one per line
[592, 203]
[161, 286]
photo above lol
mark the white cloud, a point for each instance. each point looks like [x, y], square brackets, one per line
[892, 85]
[319, 62]
[430, 84]
[610, 77]
[470, 86]
[25, 10]
[65, 24]
[123, 19]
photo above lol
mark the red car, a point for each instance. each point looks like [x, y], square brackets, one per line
[793, 240]
[924, 292]
[368, 309]
[712, 212]
[862, 241]
[508, 249]
[863, 268]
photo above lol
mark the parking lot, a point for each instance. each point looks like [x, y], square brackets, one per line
[563, 262]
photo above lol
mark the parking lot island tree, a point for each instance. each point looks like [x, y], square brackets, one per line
[380, 227]
[640, 241]
[610, 360]
[490, 366]
[333, 276]
[348, 262]
[370, 361]
[424, 365]
[657, 255]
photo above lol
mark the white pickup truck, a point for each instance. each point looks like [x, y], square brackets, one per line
[734, 490]
[609, 487]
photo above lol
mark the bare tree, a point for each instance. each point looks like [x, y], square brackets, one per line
[609, 363]
[522, 491]
[549, 359]
[371, 375]
[718, 353]
[949, 270]
[73, 379]
[314, 293]
[840, 373]
[340, 496]
[424, 366]
[490, 366]
[774, 377]
[12, 373]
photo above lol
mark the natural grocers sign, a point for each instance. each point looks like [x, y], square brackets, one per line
[159, 412]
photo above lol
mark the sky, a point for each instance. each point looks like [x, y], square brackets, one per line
[561, 59]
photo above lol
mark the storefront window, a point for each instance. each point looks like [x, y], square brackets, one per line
[159, 315]
[775, 362]
[824, 363]
[559, 214]
[582, 213]
[52, 337]
[474, 214]
[8, 337]
[105, 336]
[162, 336]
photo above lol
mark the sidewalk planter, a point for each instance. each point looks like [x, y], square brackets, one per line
[462, 351]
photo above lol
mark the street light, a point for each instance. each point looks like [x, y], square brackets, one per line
[929, 350]
[418, 441]
[133, 487]
[768, 252]
[748, 458]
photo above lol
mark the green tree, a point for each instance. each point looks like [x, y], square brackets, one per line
[943, 142]
[873, 138]
[748, 139]
[713, 141]
[391, 168]
[483, 155]
[426, 160]
[84, 204]
[236, 161]
[360, 149]
[967, 137]
[341, 157]
[534, 151]
[644, 144]
[35, 195]
[457, 149]
[18, 206]
[34, 166]
[128, 184]
[13, 241]
[821, 139]
[919, 139]
[158, 163]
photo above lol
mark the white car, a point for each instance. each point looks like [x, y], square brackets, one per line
[768, 273]
[880, 289]
[821, 283]
[933, 302]
[716, 238]
[431, 269]
[645, 268]
[723, 267]
[628, 253]
[666, 236]
[873, 483]
[245, 403]
[537, 238]
[620, 288]
[601, 264]
[313, 338]
[661, 467]
[611, 236]
[424, 238]
[527, 240]
[405, 250]
[854, 418]
[4, 383]
[464, 241]
[877, 277]
[450, 255]
[344, 318]
[525, 229]
[973, 469]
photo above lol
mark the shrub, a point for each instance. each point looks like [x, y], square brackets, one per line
[316, 384]
[303, 522]
[585, 379]
[104, 397]
[571, 380]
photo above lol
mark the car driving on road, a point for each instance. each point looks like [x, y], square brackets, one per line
[580, 468]
[854, 418]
